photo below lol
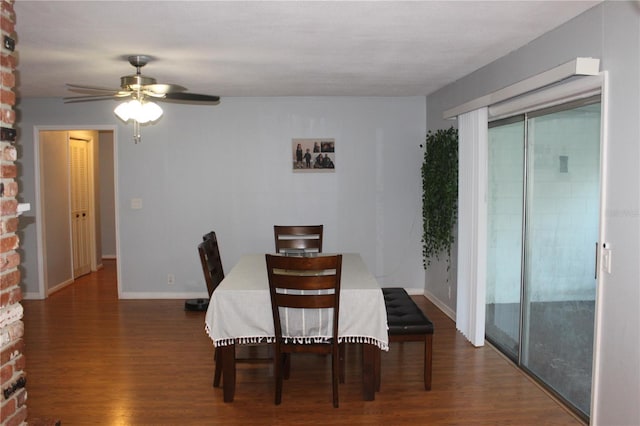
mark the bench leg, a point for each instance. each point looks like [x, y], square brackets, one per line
[428, 353]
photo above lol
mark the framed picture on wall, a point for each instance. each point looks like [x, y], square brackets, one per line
[313, 155]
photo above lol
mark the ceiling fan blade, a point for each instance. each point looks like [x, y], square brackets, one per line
[88, 98]
[139, 87]
[162, 89]
[92, 92]
[191, 97]
[78, 87]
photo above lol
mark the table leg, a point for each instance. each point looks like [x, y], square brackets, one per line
[369, 371]
[377, 368]
[228, 354]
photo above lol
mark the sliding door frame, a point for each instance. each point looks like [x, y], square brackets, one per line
[525, 117]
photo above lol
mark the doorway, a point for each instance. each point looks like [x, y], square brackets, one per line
[71, 204]
[542, 240]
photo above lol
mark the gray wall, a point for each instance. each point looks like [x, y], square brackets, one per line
[106, 197]
[228, 168]
[611, 32]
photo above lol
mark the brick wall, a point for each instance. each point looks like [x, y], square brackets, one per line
[13, 409]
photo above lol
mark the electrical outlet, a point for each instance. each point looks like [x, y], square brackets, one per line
[171, 279]
[449, 292]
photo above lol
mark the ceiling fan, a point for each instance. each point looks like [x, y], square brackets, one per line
[139, 91]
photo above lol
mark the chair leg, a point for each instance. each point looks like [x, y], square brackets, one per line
[335, 373]
[218, 369]
[286, 365]
[277, 373]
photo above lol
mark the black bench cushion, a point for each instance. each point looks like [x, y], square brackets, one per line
[403, 315]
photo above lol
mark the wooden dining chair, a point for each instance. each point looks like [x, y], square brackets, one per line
[211, 261]
[212, 269]
[290, 282]
[302, 239]
[213, 276]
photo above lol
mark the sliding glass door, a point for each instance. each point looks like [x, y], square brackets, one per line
[505, 197]
[541, 271]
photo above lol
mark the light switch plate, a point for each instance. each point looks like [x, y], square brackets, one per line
[136, 203]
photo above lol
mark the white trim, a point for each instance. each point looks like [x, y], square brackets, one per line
[154, 295]
[578, 66]
[69, 220]
[414, 291]
[60, 286]
[440, 305]
[93, 258]
[40, 242]
[30, 295]
[602, 238]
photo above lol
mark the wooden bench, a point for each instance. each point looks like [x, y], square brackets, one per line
[407, 323]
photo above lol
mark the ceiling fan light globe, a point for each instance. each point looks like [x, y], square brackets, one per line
[123, 112]
[140, 112]
[150, 111]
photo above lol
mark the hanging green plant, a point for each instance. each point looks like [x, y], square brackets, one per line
[439, 193]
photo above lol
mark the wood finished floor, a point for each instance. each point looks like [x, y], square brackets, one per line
[95, 360]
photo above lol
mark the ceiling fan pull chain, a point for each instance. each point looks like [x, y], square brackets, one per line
[136, 132]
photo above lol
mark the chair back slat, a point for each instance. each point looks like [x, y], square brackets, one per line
[324, 301]
[303, 264]
[290, 280]
[307, 238]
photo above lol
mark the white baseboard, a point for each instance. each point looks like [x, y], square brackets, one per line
[412, 291]
[32, 296]
[146, 295]
[60, 286]
[441, 305]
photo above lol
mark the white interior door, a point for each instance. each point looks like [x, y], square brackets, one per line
[80, 219]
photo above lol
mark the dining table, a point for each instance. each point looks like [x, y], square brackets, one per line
[240, 312]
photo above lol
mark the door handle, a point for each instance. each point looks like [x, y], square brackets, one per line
[596, 262]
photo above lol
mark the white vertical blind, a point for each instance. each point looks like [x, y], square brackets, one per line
[472, 224]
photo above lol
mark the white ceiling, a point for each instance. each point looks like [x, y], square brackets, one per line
[272, 48]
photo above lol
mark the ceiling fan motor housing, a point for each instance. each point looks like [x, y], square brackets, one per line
[136, 81]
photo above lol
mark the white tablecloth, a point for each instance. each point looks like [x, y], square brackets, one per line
[240, 309]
